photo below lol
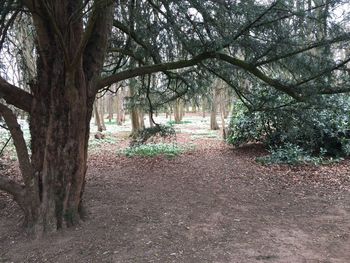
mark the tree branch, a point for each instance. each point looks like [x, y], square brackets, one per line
[345, 37]
[96, 43]
[20, 144]
[153, 68]
[134, 36]
[195, 60]
[15, 96]
[288, 89]
[86, 37]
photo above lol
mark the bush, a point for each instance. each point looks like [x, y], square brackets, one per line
[289, 154]
[153, 133]
[314, 127]
[151, 150]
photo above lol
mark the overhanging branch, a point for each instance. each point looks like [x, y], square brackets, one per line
[293, 90]
[127, 74]
[288, 89]
[15, 96]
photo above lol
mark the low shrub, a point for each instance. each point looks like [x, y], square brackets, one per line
[288, 154]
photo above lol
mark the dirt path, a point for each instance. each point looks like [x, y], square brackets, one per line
[212, 205]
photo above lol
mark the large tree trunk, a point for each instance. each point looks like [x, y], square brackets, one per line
[60, 110]
[59, 143]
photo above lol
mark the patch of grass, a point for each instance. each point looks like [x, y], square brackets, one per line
[171, 123]
[109, 139]
[151, 150]
[107, 122]
[208, 134]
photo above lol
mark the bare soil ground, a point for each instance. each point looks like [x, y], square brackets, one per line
[212, 204]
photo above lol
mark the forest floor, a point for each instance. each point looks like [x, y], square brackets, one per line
[213, 203]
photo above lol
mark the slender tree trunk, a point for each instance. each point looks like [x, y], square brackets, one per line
[204, 105]
[135, 115]
[177, 111]
[194, 106]
[141, 118]
[120, 107]
[110, 107]
[102, 113]
[222, 107]
[187, 106]
[213, 110]
[167, 112]
[98, 117]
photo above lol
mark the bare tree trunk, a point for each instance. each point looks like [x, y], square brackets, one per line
[194, 106]
[110, 107]
[228, 103]
[222, 104]
[120, 107]
[102, 113]
[213, 110]
[187, 107]
[98, 122]
[204, 105]
[182, 110]
[167, 112]
[177, 111]
[136, 120]
[141, 118]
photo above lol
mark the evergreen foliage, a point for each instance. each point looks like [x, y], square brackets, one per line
[321, 127]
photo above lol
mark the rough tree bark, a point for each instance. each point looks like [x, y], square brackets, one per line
[60, 107]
